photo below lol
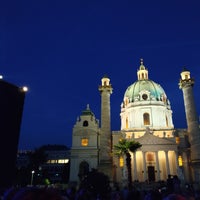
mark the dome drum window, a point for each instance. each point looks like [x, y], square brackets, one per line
[146, 119]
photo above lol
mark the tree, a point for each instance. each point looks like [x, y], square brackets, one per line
[37, 158]
[97, 184]
[124, 147]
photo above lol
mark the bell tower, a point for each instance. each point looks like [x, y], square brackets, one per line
[105, 164]
[186, 83]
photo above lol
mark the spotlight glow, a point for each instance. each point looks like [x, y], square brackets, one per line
[25, 89]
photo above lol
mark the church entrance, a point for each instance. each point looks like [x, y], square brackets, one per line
[83, 170]
[151, 173]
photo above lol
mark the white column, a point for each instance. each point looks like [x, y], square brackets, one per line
[167, 163]
[157, 166]
[144, 165]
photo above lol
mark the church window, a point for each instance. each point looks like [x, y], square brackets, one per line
[150, 157]
[177, 140]
[146, 119]
[85, 123]
[84, 142]
[142, 76]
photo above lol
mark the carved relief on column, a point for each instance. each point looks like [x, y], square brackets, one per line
[157, 166]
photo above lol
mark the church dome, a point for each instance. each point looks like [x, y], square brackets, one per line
[145, 90]
[145, 104]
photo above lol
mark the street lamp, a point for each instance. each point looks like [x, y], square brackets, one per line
[32, 174]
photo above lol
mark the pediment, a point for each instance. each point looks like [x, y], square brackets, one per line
[149, 139]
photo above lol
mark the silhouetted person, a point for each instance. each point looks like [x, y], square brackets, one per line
[176, 184]
[170, 186]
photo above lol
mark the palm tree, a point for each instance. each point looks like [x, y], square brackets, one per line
[124, 147]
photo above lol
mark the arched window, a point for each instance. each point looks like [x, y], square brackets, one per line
[146, 119]
[142, 76]
[85, 123]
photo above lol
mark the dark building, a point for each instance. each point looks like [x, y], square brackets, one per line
[51, 167]
[11, 109]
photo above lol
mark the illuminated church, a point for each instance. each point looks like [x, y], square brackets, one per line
[146, 117]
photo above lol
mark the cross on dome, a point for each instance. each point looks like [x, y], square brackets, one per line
[141, 61]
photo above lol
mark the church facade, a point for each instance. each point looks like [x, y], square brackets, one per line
[146, 117]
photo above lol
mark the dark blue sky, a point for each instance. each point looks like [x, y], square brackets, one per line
[61, 50]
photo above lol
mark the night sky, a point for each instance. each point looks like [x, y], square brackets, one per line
[61, 49]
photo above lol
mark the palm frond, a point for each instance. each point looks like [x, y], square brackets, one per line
[124, 146]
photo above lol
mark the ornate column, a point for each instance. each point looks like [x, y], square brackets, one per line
[105, 158]
[186, 83]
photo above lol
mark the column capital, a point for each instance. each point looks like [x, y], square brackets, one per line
[186, 83]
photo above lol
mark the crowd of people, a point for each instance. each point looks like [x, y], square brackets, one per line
[170, 190]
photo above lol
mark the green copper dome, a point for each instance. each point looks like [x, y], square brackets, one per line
[144, 89]
[153, 91]
[87, 111]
